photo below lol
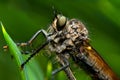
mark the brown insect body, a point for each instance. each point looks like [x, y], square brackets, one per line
[73, 39]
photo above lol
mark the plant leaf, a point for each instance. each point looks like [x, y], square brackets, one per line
[31, 70]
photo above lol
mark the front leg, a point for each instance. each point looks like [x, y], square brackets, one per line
[34, 37]
[23, 44]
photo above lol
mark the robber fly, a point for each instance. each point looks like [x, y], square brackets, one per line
[70, 37]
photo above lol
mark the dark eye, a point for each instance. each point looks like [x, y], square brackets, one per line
[61, 22]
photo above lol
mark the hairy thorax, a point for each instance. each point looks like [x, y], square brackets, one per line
[69, 37]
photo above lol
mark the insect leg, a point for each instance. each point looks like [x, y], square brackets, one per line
[66, 64]
[67, 71]
[34, 53]
[63, 60]
[36, 34]
[31, 40]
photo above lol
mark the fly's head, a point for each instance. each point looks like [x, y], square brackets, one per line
[58, 23]
[66, 34]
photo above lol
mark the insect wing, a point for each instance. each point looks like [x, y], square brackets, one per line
[97, 66]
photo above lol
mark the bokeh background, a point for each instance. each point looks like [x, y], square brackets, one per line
[22, 18]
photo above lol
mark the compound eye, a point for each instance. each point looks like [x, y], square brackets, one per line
[61, 22]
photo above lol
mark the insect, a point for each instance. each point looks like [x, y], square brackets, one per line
[70, 37]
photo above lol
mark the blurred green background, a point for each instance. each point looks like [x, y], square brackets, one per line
[22, 18]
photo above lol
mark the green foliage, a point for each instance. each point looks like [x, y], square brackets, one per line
[30, 71]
